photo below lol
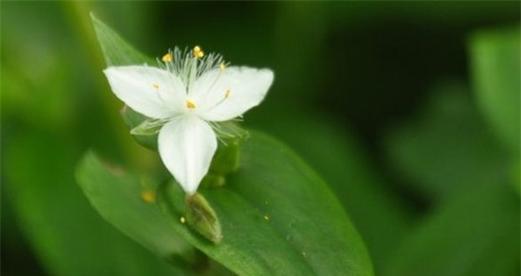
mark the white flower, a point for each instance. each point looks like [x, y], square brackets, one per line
[185, 95]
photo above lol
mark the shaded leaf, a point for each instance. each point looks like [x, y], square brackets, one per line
[496, 68]
[277, 216]
[336, 154]
[448, 148]
[131, 207]
[67, 235]
[474, 234]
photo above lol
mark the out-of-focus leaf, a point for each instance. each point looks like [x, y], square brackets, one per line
[342, 162]
[116, 50]
[448, 148]
[277, 216]
[68, 237]
[496, 67]
[475, 233]
[22, 91]
[449, 153]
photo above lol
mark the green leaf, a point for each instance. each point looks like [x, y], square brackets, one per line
[277, 216]
[448, 148]
[67, 235]
[336, 154]
[496, 69]
[115, 49]
[476, 233]
[132, 208]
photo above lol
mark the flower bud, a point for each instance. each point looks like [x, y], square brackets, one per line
[201, 217]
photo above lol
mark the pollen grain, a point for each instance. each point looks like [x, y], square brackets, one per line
[197, 52]
[190, 104]
[167, 57]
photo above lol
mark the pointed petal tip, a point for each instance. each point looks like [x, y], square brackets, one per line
[186, 147]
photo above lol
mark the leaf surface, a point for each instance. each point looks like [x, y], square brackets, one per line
[278, 217]
[496, 68]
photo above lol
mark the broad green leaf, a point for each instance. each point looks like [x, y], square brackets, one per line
[496, 59]
[277, 216]
[448, 147]
[334, 152]
[132, 208]
[476, 234]
[68, 237]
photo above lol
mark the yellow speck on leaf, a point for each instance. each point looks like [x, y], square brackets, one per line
[148, 196]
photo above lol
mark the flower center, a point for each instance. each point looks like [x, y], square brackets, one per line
[190, 104]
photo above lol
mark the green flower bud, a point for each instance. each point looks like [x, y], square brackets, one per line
[201, 217]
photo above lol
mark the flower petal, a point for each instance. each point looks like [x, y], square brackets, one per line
[186, 146]
[151, 91]
[226, 94]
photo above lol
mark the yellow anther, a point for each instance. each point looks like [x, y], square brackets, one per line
[167, 57]
[148, 196]
[222, 66]
[197, 52]
[156, 86]
[182, 220]
[190, 104]
[227, 93]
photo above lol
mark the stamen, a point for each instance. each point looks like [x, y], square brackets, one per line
[190, 104]
[156, 86]
[227, 93]
[197, 52]
[167, 57]
[191, 63]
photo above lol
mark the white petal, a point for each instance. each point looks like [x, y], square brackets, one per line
[151, 91]
[186, 146]
[226, 94]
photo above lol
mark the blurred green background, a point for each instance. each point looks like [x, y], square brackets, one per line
[409, 110]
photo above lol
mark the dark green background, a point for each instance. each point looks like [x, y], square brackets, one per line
[379, 97]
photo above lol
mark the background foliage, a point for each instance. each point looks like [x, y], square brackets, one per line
[409, 111]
